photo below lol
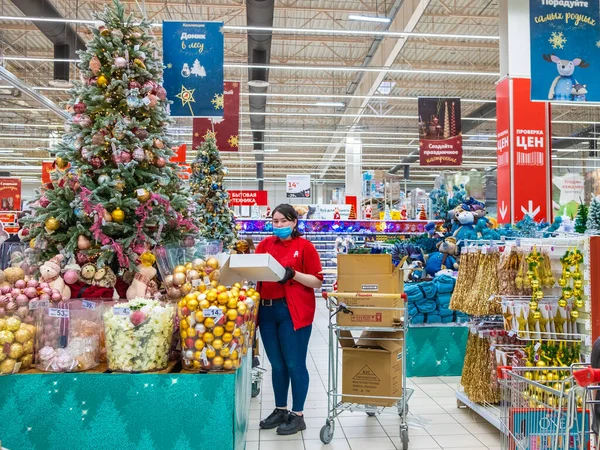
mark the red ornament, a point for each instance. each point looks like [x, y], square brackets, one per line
[150, 86]
[96, 162]
[44, 202]
[79, 107]
[161, 93]
[134, 85]
[160, 162]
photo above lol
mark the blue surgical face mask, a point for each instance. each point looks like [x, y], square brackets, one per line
[282, 233]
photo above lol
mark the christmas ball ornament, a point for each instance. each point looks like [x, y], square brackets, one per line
[117, 34]
[104, 179]
[96, 162]
[119, 185]
[95, 65]
[152, 100]
[575, 314]
[142, 195]
[86, 153]
[104, 31]
[134, 85]
[562, 282]
[118, 215]
[98, 138]
[178, 279]
[85, 121]
[160, 162]
[61, 163]
[93, 81]
[79, 107]
[161, 93]
[537, 315]
[579, 303]
[213, 263]
[147, 259]
[141, 133]
[150, 86]
[44, 202]
[71, 276]
[125, 157]
[102, 81]
[139, 154]
[120, 62]
[83, 243]
[158, 143]
[52, 224]
[562, 303]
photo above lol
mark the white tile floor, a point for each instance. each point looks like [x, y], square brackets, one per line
[435, 422]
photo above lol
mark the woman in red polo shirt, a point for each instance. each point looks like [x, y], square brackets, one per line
[286, 315]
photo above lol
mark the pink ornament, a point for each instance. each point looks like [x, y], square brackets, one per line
[45, 297]
[86, 153]
[30, 292]
[95, 65]
[158, 143]
[150, 86]
[98, 138]
[33, 283]
[22, 300]
[93, 81]
[11, 306]
[160, 162]
[5, 290]
[120, 62]
[161, 93]
[79, 107]
[152, 100]
[139, 154]
[43, 285]
[81, 258]
[4, 301]
[22, 311]
[134, 85]
[137, 318]
[28, 320]
[70, 276]
[96, 162]
[44, 202]
[125, 157]
[85, 121]
[20, 284]
[15, 292]
[56, 297]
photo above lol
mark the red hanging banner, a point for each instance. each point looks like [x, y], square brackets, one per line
[440, 132]
[47, 167]
[180, 154]
[503, 151]
[10, 194]
[226, 130]
[248, 198]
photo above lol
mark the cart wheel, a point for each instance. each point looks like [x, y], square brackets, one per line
[401, 410]
[326, 433]
[255, 389]
[404, 439]
[370, 414]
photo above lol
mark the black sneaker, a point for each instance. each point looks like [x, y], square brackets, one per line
[292, 425]
[277, 417]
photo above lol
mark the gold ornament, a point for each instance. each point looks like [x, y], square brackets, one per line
[533, 305]
[562, 302]
[579, 303]
[147, 259]
[102, 81]
[213, 262]
[52, 224]
[138, 62]
[577, 284]
[32, 243]
[575, 314]
[143, 195]
[118, 215]
[539, 295]
[537, 315]
[61, 163]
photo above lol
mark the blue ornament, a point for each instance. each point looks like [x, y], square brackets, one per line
[215, 186]
[78, 213]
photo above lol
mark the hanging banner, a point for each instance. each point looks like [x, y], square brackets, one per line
[297, 186]
[226, 129]
[568, 194]
[440, 135]
[503, 150]
[47, 167]
[193, 55]
[565, 50]
[248, 198]
[180, 154]
[10, 194]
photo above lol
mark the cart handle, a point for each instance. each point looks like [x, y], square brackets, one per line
[364, 295]
[585, 377]
[500, 371]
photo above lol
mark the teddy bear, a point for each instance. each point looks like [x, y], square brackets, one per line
[50, 273]
[87, 273]
[466, 226]
[444, 258]
[141, 282]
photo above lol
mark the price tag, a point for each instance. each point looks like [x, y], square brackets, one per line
[233, 347]
[38, 304]
[492, 348]
[587, 324]
[140, 191]
[203, 356]
[212, 313]
[121, 311]
[537, 346]
[88, 305]
[206, 281]
[58, 312]
[586, 289]
[197, 282]
[511, 333]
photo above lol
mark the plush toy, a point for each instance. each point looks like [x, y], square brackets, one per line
[105, 277]
[14, 274]
[141, 282]
[416, 271]
[466, 228]
[444, 258]
[87, 273]
[50, 273]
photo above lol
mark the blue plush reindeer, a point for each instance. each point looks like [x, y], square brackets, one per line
[563, 84]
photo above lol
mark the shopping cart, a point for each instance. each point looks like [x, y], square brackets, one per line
[588, 381]
[335, 400]
[540, 410]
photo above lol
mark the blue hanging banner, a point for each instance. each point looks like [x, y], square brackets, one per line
[565, 50]
[193, 55]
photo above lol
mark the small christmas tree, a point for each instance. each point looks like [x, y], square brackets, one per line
[593, 218]
[422, 213]
[582, 218]
[352, 214]
[215, 217]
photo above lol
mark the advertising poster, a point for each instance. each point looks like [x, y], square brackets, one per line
[248, 198]
[568, 194]
[565, 50]
[503, 151]
[47, 167]
[297, 186]
[440, 135]
[225, 129]
[180, 154]
[10, 194]
[193, 55]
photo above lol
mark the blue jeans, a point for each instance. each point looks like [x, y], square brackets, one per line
[286, 350]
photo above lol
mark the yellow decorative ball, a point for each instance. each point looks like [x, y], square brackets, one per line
[204, 304]
[218, 331]
[539, 295]
[228, 364]
[218, 361]
[230, 326]
[118, 215]
[210, 353]
[52, 224]
[578, 284]
[237, 333]
[562, 302]
[228, 337]
[32, 243]
[179, 269]
[217, 344]
[208, 337]
[199, 344]
[61, 163]
[579, 303]
[575, 314]
[224, 352]
[143, 195]
[533, 305]
[223, 298]
[213, 262]
[537, 315]
[102, 81]
[562, 282]
[147, 258]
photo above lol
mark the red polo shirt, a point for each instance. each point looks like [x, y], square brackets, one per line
[302, 256]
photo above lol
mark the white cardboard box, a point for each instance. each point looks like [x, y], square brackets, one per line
[256, 267]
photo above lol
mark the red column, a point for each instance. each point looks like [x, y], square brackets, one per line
[524, 150]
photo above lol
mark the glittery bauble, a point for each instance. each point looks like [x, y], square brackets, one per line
[562, 282]
[150, 86]
[86, 153]
[213, 262]
[79, 107]
[242, 246]
[95, 65]
[119, 185]
[579, 303]
[158, 143]
[139, 63]
[117, 34]
[104, 179]
[98, 138]
[134, 85]
[575, 314]
[118, 215]
[83, 242]
[173, 292]
[160, 162]
[125, 157]
[52, 224]
[96, 162]
[562, 303]
[147, 259]
[539, 295]
[61, 163]
[152, 100]
[102, 81]
[141, 133]
[139, 154]
[178, 279]
[142, 195]
[578, 284]
[161, 93]
[120, 62]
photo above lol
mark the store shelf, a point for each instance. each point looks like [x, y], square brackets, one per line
[488, 412]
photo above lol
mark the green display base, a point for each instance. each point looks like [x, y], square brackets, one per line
[104, 411]
[436, 351]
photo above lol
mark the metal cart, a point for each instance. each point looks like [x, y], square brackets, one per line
[335, 403]
[588, 381]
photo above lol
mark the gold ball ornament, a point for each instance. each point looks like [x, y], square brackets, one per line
[568, 293]
[61, 163]
[118, 215]
[530, 274]
[228, 364]
[32, 243]
[52, 224]
[533, 305]
[213, 262]
[105, 32]
[198, 264]
[578, 284]
[102, 81]
[147, 259]
[218, 361]
[178, 279]
[562, 282]
[575, 314]
[143, 195]
[208, 337]
[179, 269]
[537, 315]
[217, 344]
[539, 295]
[579, 303]
[562, 302]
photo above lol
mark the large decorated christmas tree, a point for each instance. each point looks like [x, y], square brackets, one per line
[215, 217]
[120, 196]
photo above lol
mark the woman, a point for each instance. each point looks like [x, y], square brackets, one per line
[287, 310]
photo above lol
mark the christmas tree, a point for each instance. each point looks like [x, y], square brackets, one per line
[121, 195]
[215, 217]
[581, 219]
[593, 218]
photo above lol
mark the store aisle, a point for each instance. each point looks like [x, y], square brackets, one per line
[434, 420]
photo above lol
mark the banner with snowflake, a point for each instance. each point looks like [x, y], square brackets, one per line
[565, 50]
[193, 55]
[225, 129]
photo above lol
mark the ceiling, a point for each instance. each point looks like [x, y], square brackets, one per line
[309, 137]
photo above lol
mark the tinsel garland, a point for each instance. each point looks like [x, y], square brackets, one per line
[479, 377]
[508, 268]
[484, 286]
[469, 261]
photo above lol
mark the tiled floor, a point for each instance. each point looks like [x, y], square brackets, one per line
[435, 422]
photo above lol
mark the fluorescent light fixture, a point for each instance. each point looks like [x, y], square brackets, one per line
[334, 104]
[37, 58]
[49, 19]
[369, 18]
[271, 150]
[350, 96]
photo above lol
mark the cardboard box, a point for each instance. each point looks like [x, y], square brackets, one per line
[372, 367]
[255, 267]
[370, 274]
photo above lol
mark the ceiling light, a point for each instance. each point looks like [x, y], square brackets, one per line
[58, 85]
[49, 19]
[257, 83]
[37, 58]
[271, 150]
[334, 104]
[369, 18]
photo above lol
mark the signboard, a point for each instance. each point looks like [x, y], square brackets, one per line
[569, 194]
[440, 134]
[10, 194]
[323, 212]
[248, 198]
[180, 154]
[503, 151]
[565, 56]
[226, 130]
[297, 186]
[47, 167]
[193, 55]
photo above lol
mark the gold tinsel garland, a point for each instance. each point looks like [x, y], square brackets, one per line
[484, 286]
[508, 267]
[469, 261]
[479, 377]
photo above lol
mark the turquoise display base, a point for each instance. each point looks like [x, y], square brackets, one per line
[86, 411]
[436, 351]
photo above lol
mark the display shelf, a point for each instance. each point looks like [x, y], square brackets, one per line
[341, 226]
[488, 412]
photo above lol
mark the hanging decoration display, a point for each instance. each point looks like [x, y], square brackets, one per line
[440, 135]
[193, 59]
